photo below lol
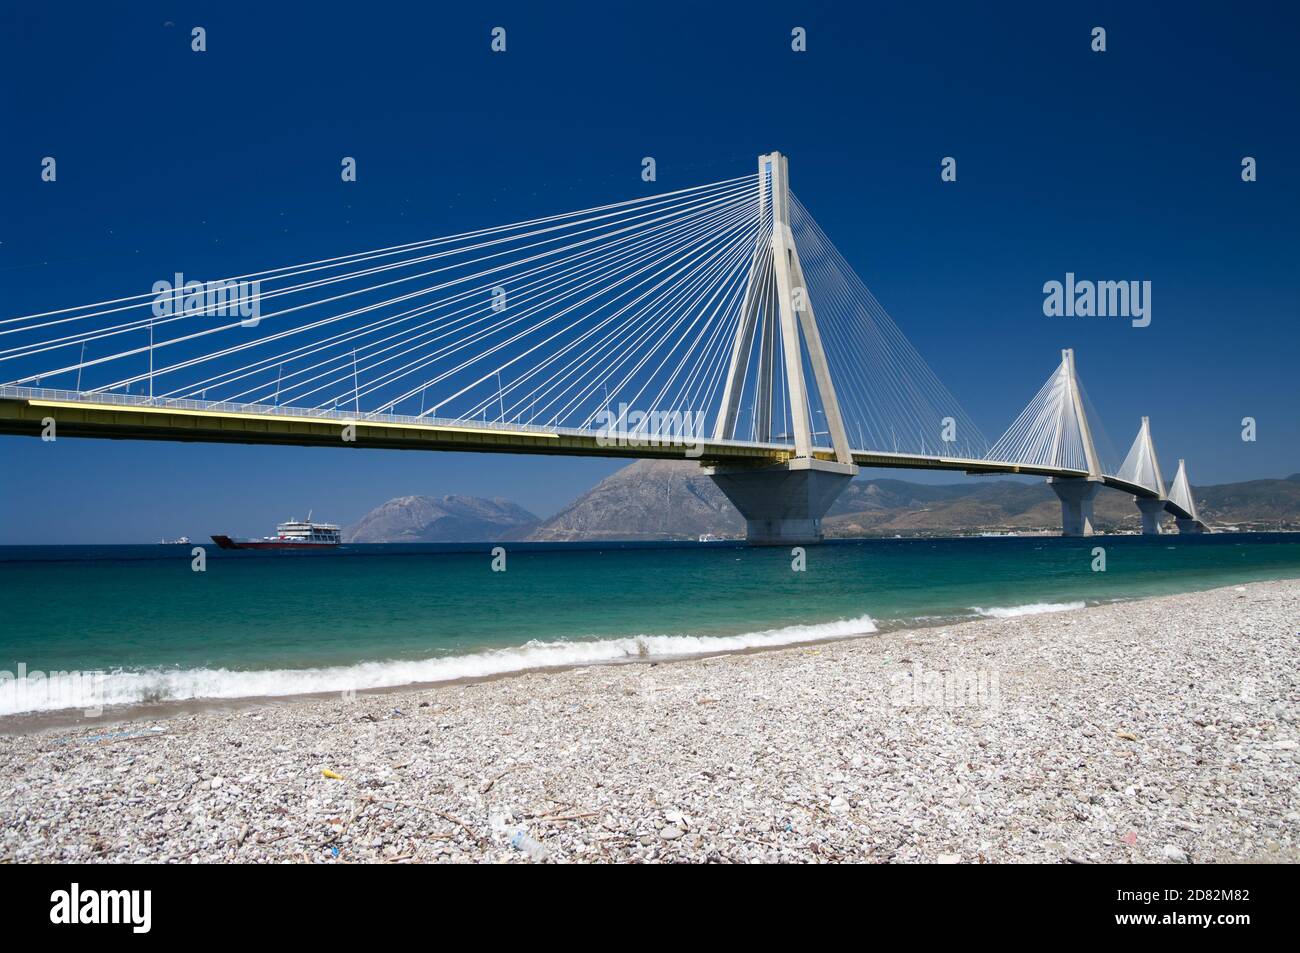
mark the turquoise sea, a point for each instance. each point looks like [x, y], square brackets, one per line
[371, 616]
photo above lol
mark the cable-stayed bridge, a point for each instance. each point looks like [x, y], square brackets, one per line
[716, 323]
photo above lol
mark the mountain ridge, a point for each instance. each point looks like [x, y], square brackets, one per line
[634, 503]
[447, 519]
[667, 500]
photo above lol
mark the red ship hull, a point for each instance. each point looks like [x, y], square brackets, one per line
[225, 542]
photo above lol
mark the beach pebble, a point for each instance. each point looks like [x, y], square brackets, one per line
[788, 755]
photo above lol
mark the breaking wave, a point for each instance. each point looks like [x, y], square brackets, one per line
[62, 690]
[1033, 608]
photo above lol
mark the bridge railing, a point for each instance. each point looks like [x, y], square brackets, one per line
[13, 392]
[142, 401]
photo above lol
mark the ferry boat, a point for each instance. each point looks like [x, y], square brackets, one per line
[294, 534]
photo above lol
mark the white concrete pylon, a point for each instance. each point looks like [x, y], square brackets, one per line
[1141, 466]
[1155, 461]
[1180, 492]
[1081, 418]
[797, 329]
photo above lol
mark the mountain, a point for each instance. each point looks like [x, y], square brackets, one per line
[676, 500]
[448, 519]
[667, 499]
[1260, 504]
[899, 508]
[649, 499]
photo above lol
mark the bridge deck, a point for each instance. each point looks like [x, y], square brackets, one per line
[125, 417]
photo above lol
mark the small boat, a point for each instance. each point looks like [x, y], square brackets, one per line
[178, 541]
[710, 538]
[293, 534]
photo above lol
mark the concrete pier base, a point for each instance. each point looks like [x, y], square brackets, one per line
[1189, 526]
[1152, 512]
[1076, 495]
[783, 505]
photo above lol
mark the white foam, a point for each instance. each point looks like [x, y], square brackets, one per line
[125, 688]
[1032, 608]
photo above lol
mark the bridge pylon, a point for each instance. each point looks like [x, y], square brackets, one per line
[1142, 468]
[1151, 511]
[782, 504]
[1186, 517]
[1076, 493]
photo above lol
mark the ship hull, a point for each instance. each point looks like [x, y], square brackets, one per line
[225, 542]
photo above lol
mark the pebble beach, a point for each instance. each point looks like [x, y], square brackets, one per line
[1158, 730]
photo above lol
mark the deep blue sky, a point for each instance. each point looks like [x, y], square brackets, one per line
[1122, 165]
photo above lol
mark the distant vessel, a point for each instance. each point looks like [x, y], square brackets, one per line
[710, 538]
[295, 534]
[179, 540]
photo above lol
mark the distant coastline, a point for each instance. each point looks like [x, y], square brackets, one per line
[670, 500]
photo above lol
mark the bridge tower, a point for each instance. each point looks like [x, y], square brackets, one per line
[1146, 471]
[782, 504]
[1180, 495]
[1077, 493]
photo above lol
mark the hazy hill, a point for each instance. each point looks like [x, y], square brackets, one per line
[660, 499]
[448, 519]
[676, 500]
[649, 499]
[1266, 504]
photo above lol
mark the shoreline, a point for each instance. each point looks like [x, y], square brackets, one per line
[116, 715]
[1151, 730]
[40, 722]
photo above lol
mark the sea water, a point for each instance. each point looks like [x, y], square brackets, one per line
[357, 617]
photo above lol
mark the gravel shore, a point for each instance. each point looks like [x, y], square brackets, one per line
[1158, 730]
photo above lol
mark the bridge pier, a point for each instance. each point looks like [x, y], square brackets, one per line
[1152, 512]
[1189, 526]
[783, 505]
[1076, 495]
